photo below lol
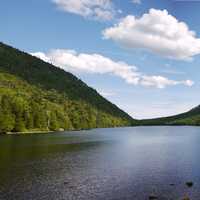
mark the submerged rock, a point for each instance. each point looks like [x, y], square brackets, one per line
[189, 184]
[153, 197]
[66, 183]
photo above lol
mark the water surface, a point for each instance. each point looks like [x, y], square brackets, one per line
[101, 164]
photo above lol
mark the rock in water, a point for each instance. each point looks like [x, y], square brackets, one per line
[153, 197]
[189, 184]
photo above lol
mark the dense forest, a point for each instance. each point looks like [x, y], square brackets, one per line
[191, 118]
[37, 96]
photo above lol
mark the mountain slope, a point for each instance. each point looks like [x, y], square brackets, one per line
[35, 95]
[191, 117]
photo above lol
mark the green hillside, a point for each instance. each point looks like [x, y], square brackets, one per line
[35, 95]
[191, 117]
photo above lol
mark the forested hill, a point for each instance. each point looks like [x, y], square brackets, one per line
[35, 95]
[191, 117]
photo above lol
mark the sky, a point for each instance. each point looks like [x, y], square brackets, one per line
[142, 55]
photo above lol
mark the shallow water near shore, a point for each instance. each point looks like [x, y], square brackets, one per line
[101, 164]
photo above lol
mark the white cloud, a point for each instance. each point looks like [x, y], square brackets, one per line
[107, 94]
[158, 32]
[162, 82]
[42, 56]
[95, 9]
[136, 1]
[70, 60]
[172, 71]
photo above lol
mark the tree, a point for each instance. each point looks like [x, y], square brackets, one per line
[53, 122]
[7, 122]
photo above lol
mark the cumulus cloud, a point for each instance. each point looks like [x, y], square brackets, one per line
[158, 32]
[70, 60]
[107, 94]
[162, 82]
[95, 9]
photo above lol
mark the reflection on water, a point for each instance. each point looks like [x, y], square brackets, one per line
[122, 163]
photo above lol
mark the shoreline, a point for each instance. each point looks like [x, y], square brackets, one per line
[25, 132]
[60, 131]
[46, 132]
[41, 131]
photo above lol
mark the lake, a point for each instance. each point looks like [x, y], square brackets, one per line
[101, 164]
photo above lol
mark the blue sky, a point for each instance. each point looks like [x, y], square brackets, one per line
[142, 58]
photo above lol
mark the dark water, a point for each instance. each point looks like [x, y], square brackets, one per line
[102, 164]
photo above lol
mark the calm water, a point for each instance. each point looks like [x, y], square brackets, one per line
[102, 164]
